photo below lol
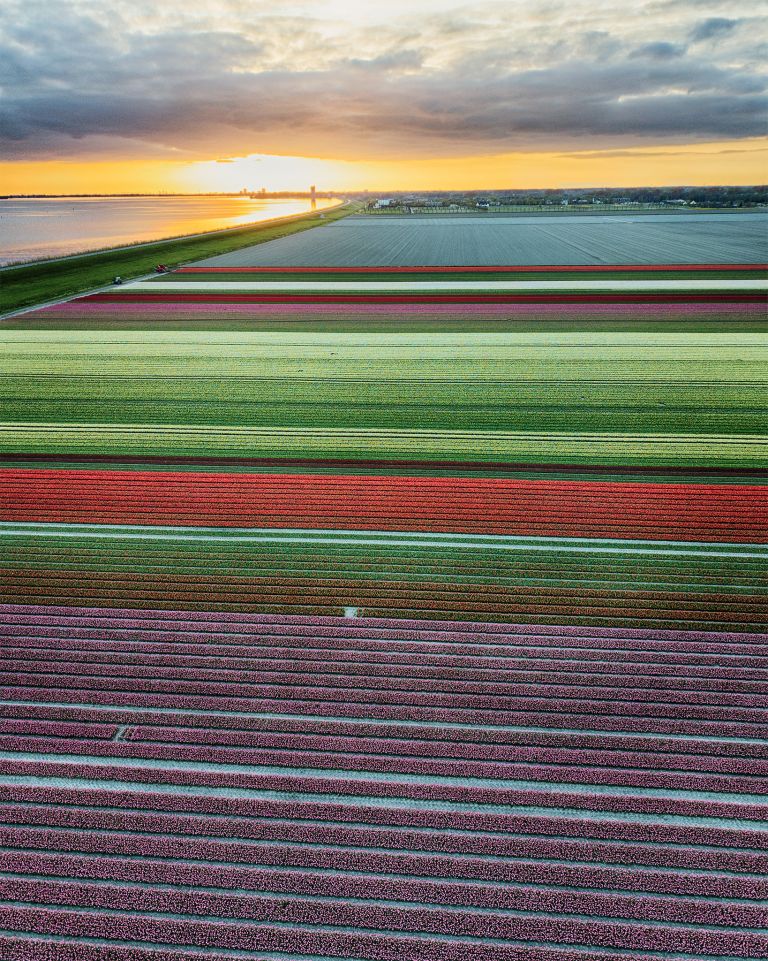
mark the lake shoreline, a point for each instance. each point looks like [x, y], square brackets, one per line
[163, 239]
[50, 280]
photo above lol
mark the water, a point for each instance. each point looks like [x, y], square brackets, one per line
[31, 229]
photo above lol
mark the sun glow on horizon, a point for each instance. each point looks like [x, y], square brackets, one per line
[729, 162]
[261, 170]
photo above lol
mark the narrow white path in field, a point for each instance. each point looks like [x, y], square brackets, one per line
[382, 538]
[443, 286]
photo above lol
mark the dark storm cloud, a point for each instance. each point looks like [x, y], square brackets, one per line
[76, 82]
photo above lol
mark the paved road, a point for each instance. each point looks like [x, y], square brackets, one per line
[570, 239]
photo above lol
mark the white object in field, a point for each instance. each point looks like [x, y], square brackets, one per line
[350, 612]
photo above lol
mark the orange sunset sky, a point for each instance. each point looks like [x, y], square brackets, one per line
[224, 94]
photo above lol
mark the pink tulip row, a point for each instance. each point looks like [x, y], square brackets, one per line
[403, 790]
[234, 729]
[321, 602]
[672, 672]
[170, 636]
[248, 865]
[393, 746]
[557, 771]
[744, 617]
[59, 729]
[520, 847]
[170, 308]
[239, 663]
[450, 651]
[595, 717]
[509, 897]
[603, 827]
[127, 920]
[31, 947]
[44, 947]
[694, 691]
[443, 920]
[193, 826]
[57, 948]
[287, 698]
[300, 625]
[668, 672]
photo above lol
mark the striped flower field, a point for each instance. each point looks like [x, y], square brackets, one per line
[387, 614]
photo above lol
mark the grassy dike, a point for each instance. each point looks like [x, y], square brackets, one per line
[39, 282]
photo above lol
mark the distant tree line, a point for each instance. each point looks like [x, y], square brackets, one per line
[724, 196]
[705, 196]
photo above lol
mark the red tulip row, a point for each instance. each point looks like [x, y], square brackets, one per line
[743, 531]
[386, 482]
[120, 309]
[382, 485]
[536, 513]
[268, 585]
[464, 505]
[109, 589]
[427, 596]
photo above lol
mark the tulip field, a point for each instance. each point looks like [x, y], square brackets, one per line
[374, 613]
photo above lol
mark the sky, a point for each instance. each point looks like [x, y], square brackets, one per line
[131, 95]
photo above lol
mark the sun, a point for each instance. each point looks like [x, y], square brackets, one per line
[261, 170]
